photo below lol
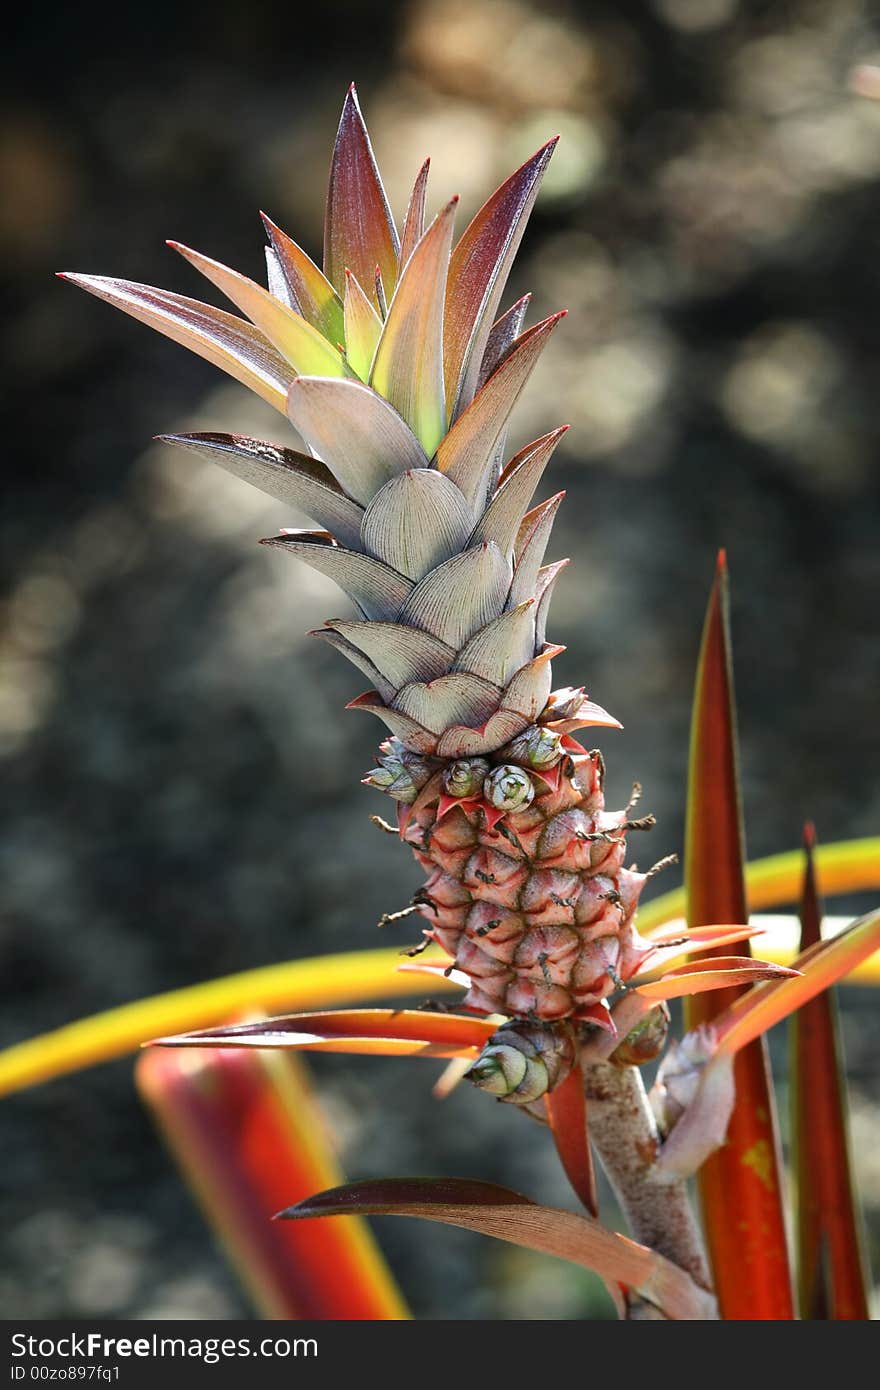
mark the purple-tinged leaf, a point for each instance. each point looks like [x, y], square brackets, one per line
[417, 520]
[401, 653]
[360, 437]
[530, 552]
[414, 221]
[467, 454]
[502, 647]
[289, 477]
[499, 1212]
[378, 591]
[504, 333]
[457, 698]
[232, 344]
[419, 739]
[478, 272]
[502, 518]
[460, 596]
[359, 231]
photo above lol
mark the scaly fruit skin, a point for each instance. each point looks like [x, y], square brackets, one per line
[533, 904]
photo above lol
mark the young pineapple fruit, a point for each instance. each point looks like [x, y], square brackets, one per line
[396, 369]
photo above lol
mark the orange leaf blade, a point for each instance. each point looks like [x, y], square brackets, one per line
[566, 1109]
[393, 1032]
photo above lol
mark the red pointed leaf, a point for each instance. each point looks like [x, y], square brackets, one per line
[749, 1255]
[393, 1031]
[566, 1108]
[507, 1215]
[830, 1260]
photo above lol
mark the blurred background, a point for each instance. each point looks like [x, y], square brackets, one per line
[176, 805]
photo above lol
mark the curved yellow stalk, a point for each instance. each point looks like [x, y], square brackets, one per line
[850, 866]
[360, 976]
[319, 982]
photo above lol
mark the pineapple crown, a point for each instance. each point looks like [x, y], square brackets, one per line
[395, 367]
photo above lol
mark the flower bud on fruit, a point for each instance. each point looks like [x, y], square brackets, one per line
[465, 777]
[401, 773]
[509, 788]
[523, 1061]
[535, 747]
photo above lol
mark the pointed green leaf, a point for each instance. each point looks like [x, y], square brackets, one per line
[363, 328]
[313, 295]
[297, 341]
[408, 366]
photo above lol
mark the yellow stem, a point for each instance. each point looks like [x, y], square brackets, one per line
[361, 976]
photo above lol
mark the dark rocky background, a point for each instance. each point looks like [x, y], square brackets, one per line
[176, 802]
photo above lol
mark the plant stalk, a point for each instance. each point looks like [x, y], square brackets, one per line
[624, 1131]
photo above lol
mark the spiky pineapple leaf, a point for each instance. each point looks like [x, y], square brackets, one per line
[467, 454]
[414, 219]
[363, 328]
[313, 295]
[750, 1256]
[718, 973]
[379, 592]
[361, 437]
[359, 231]
[416, 521]
[408, 366]
[290, 477]
[228, 342]
[830, 1259]
[500, 1212]
[392, 1031]
[820, 966]
[478, 272]
[502, 518]
[298, 342]
[460, 596]
[505, 331]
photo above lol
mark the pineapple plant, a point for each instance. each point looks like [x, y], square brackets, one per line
[399, 366]
[396, 365]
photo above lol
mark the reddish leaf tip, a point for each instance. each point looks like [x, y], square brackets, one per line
[809, 839]
[721, 562]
